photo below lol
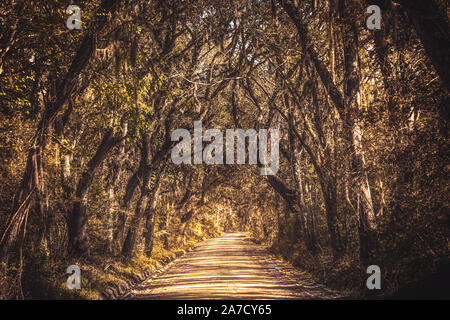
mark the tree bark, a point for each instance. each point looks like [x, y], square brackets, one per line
[78, 242]
[329, 197]
[363, 201]
[150, 214]
[303, 212]
[116, 172]
[133, 229]
[166, 229]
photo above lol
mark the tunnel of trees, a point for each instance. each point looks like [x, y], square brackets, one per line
[86, 118]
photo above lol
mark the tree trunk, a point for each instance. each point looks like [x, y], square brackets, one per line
[150, 214]
[363, 203]
[132, 184]
[135, 224]
[310, 232]
[148, 194]
[110, 220]
[303, 212]
[116, 172]
[149, 163]
[329, 197]
[78, 243]
[120, 230]
[166, 229]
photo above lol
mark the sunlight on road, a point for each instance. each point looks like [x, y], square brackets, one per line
[231, 267]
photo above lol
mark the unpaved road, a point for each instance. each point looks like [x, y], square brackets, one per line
[230, 267]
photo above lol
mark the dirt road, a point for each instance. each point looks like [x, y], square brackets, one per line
[231, 267]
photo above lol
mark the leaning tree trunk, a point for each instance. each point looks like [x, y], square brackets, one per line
[132, 184]
[135, 224]
[134, 228]
[149, 163]
[78, 243]
[144, 208]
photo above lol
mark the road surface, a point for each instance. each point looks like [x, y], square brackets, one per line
[230, 267]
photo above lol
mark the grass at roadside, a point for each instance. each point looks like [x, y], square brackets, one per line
[44, 279]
